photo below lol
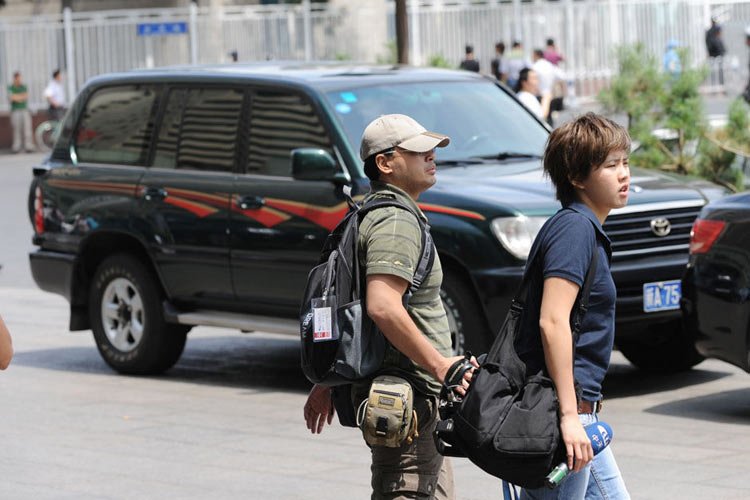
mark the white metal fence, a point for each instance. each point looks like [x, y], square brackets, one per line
[587, 31]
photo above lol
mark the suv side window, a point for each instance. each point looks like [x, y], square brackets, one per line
[281, 121]
[116, 125]
[199, 129]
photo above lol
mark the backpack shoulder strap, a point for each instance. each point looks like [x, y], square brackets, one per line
[427, 254]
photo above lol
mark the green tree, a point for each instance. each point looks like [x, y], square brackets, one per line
[636, 89]
[665, 112]
[722, 147]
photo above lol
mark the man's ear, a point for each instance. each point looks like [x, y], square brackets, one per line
[381, 161]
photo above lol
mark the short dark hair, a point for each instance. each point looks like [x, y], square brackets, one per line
[539, 53]
[516, 44]
[500, 46]
[16, 74]
[550, 42]
[55, 73]
[574, 148]
[523, 76]
[469, 49]
[371, 168]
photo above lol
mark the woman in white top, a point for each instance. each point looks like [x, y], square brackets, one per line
[527, 89]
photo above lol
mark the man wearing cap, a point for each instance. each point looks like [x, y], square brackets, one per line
[399, 156]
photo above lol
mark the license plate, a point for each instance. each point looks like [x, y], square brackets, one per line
[661, 296]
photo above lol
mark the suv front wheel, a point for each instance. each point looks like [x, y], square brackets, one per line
[125, 309]
[465, 318]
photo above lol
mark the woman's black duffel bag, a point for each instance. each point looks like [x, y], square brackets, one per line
[508, 423]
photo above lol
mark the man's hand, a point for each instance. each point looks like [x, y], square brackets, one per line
[318, 408]
[442, 372]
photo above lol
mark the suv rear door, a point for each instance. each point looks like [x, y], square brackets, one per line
[108, 153]
[278, 224]
[185, 193]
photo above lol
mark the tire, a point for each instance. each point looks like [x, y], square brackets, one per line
[46, 135]
[664, 348]
[125, 310]
[468, 326]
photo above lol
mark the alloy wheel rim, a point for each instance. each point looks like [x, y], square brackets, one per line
[122, 314]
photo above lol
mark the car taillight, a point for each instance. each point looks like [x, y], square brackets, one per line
[38, 211]
[704, 234]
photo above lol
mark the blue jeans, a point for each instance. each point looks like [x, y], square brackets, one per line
[601, 479]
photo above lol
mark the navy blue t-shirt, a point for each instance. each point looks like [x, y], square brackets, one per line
[564, 246]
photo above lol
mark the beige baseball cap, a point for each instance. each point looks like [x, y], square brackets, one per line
[389, 131]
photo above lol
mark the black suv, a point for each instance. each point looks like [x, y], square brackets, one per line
[202, 196]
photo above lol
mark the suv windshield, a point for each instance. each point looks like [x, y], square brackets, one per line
[480, 118]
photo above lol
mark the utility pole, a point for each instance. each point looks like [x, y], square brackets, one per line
[402, 33]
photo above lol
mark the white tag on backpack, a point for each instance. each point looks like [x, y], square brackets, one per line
[323, 324]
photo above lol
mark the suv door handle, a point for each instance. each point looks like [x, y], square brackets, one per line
[154, 193]
[250, 202]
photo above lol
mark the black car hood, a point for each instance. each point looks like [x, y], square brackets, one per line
[521, 186]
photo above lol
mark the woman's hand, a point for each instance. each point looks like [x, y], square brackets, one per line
[577, 442]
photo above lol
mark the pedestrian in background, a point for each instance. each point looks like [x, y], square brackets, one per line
[470, 63]
[552, 84]
[716, 50]
[55, 95]
[6, 346]
[20, 118]
[746, 93]
[587, 162]
[516, 62]
[671, 62]
[497, 65]
[552, 54]
[527, 91]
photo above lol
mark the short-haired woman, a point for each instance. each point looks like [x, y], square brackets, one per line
[527, 91]
[587, 161]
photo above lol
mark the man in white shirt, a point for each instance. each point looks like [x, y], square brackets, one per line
[549, 76]
[55, 95]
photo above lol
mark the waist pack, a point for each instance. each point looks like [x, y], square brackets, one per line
[340, 343]
[387, 416]
[508, 422]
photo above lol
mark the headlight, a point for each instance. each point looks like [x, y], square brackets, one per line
[516, 234]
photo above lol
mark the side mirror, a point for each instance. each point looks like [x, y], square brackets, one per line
[311, 164]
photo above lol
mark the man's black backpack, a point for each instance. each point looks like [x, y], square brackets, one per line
[507, 423]
[340, 343]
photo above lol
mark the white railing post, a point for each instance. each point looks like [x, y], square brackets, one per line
[193, 33]
[70, 65]
[307, 26]
[415, 58]
[614, 22]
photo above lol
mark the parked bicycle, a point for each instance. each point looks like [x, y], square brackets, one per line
[46, 134]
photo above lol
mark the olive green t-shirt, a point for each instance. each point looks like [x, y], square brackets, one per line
[390, 242]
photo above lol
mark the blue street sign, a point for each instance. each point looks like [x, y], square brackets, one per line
[158, 29]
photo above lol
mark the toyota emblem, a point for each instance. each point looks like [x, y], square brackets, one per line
[661, 226]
